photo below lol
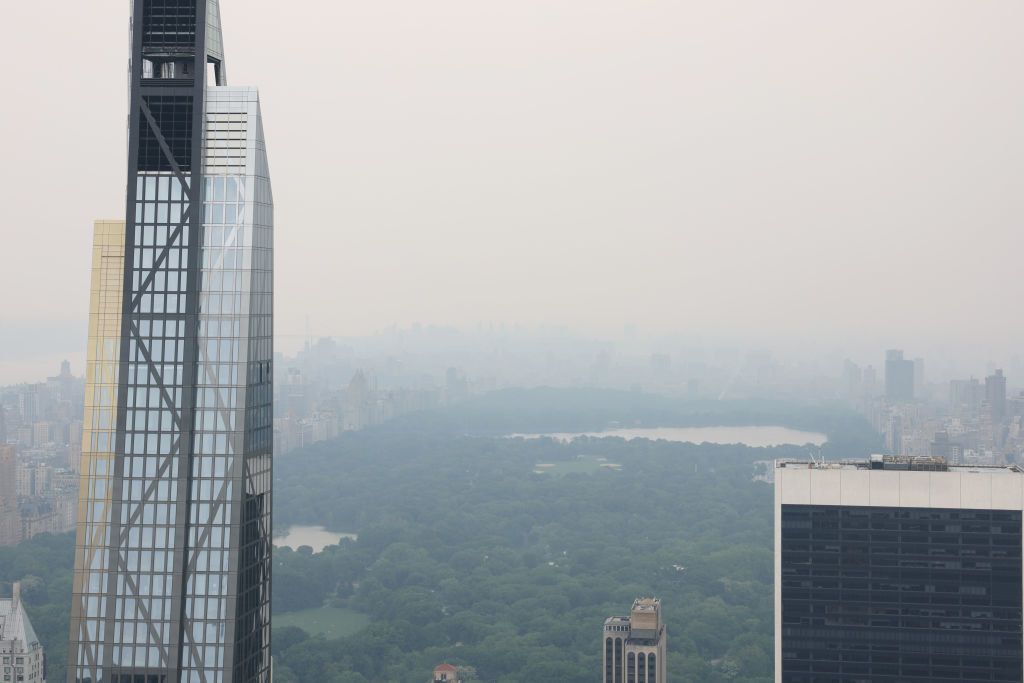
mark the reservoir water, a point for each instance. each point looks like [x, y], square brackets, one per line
[315, 537]
[755, 437]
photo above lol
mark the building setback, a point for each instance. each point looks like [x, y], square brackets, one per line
[173, 550]
[634, 647]
[898, 569]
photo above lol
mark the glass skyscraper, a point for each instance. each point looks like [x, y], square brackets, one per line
[173, 553]
[898, 570]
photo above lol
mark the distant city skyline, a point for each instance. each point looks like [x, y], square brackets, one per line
[799, 171]
[941, 364]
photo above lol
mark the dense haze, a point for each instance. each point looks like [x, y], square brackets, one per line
[528, 253]
[796, 174]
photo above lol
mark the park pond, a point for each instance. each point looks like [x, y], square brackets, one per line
[316, 537]
[755, 437]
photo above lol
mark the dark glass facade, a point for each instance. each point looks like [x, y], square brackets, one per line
[887, 594]
[173, 561]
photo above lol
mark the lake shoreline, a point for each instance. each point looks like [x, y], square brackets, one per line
[316, 537]
[754, 436]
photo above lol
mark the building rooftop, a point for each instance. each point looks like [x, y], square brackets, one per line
[14, 623]
[646, 604]
[899, 463]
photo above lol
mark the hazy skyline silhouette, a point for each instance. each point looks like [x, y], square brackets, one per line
[795, 173]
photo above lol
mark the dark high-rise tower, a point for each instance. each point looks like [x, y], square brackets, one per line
[172, 564]
[898, 569]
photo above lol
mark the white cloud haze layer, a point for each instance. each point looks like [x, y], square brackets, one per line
[797, 170]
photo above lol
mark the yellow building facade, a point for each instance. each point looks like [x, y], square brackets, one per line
[100, 419]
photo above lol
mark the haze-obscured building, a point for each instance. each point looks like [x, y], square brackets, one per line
[995, 395]
[899, 377]
[919, 383]
[965, 396]
[898, 569]
[10, 518]
[635, 646]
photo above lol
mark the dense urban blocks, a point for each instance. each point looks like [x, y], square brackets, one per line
[173, 553]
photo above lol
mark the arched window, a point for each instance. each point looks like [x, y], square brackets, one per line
[641, 667]
[618, 660]
[652, 668]
[609, 661]
[631, 668]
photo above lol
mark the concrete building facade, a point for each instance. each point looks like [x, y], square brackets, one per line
[446, 673]
[634, 647]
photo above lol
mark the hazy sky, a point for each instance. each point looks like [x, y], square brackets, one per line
[805, 170]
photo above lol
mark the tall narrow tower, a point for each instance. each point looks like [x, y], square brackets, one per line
[635, 646]
[172, 564]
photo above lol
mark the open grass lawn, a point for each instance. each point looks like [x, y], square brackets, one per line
[583, 464]
[333, 622]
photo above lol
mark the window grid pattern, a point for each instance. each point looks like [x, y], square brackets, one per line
[149, 477]
[169, 24]
[252, 626]
[172, 116]
[96, 467]
[900, 594]
[218, 447]
[227, 589]
[177, 549]
[227, 143]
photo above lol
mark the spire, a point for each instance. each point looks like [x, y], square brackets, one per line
[215, 41]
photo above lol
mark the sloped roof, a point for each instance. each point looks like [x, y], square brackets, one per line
[445, 667]
[14, 625]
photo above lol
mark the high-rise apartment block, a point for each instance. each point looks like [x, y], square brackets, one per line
[899, 377]
[173, 553]
[995, 394]
[898, 569]
[21, 655]
[634, 646]
[10, 515]
[965, 396]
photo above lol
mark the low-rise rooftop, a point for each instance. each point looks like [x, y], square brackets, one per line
[899, 463]
[646, 604]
